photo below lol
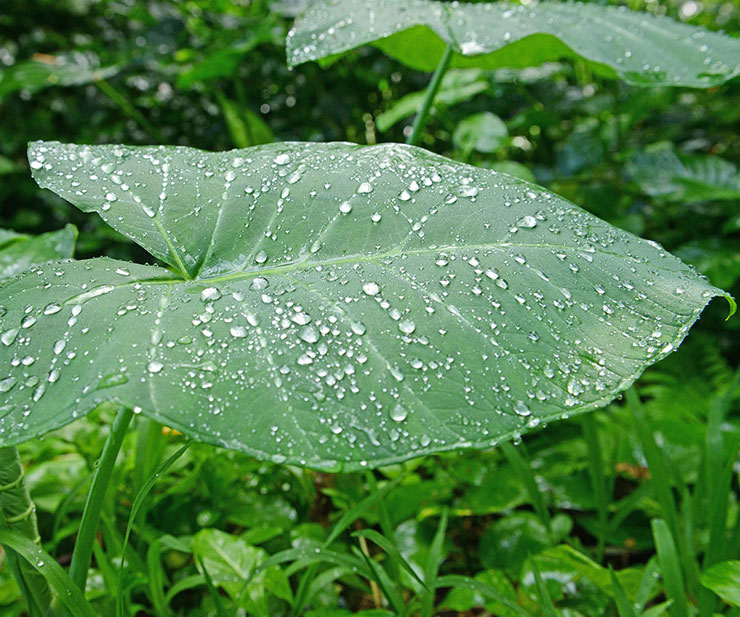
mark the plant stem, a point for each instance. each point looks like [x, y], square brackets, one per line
[95, 498]
[18, 513]
[421, 118]
[128, 108]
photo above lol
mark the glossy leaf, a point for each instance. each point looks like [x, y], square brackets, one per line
[333, 305]
[724, 580]
[637, 47]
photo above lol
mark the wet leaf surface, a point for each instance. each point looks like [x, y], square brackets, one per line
[333, 305]
[640, 48]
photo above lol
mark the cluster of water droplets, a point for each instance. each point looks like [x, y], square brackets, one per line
[640, 47]
[347, 304]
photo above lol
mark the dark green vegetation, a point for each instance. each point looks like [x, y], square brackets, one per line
[647, 487]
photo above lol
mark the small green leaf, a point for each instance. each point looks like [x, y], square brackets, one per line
[333, 305]
[43, 70]
[640, 48]
[724, 580]
[230, 561]
[483, 132]
[18, 252]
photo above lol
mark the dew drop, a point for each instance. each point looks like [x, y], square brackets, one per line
[210, 293]
[8, 337]
[407, 326]
[309, 334]
[527, 221]
[7, 383]
[371, 289]
[238, 331]
[52, 308]
[399, 413]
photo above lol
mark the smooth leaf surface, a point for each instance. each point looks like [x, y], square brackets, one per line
[482, 132]
[333, 305]
[724, 580]
[637, 47]
[19, 252]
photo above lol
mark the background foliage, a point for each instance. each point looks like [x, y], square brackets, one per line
[539, 522]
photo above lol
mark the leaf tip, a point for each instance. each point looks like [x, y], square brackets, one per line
[733, 305]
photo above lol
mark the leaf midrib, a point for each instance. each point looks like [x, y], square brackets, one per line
[299, 266]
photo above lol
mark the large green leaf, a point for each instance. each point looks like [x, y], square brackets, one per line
[637, 47]
[333, 304]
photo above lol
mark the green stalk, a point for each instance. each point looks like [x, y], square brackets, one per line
[431, 93]
[18, 514]
[91, 514]
[129, 109]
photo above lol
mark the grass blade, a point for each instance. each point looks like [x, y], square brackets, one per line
[661, 484]
[454, 580]
[524, 469]
[670, 568]
[548, 608]
[66, 590]
[138, 500]
[434, 560]
[624, 606]
[389, 548]
[597, 475]
[213, 592]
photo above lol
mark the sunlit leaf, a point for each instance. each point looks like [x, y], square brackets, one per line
[333, 305]
[724, 580]
[640, 48]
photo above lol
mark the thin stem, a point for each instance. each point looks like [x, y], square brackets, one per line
[88, 526]
[18, 514]
[598, 484]
[128, 108]
[421, 118]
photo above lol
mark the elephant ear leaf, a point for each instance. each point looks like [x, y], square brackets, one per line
[333, 305]
[642, 49]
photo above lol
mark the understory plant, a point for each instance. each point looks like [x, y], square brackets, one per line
[344, 307]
